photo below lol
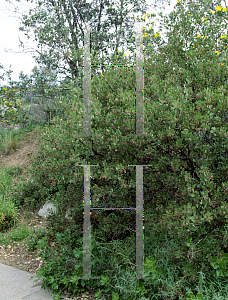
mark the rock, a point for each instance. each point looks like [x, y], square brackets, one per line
[48, 208]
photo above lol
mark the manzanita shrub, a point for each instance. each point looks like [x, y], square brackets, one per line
[185, 185]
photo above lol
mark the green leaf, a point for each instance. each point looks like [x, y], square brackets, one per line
[104, 279]
[65, 280]
[190, 297]
[98, 294]
[115, 296]
[74, 280]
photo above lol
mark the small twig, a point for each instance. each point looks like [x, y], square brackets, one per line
[180, 280]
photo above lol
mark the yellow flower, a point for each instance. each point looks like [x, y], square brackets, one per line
[119, 51]
[125, 55]
[198, 36]
[218, 8]
[6, 101]
[224, 9]
[189, 15]
[4, 88]
[102, 75]
[212, 12]
[205, 36]
[224, 36]
[222, 64]
[217, 52]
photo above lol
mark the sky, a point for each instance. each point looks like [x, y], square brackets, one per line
[10, 52]
[22, 60]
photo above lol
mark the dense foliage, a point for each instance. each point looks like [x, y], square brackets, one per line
[185, 185]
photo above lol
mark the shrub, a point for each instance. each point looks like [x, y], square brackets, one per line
[169, 185]
[33, 238]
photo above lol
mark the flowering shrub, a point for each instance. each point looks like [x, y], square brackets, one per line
[10, 107]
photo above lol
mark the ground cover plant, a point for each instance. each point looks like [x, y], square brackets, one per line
[184, 188]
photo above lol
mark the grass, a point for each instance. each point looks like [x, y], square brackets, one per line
[9, 140]
[8, 211]
[209, 289]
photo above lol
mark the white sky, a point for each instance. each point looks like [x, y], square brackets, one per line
[9, 38]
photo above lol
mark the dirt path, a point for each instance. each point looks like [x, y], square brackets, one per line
[25, 150]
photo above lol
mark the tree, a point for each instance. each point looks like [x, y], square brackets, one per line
[64, 41]
[203, 7]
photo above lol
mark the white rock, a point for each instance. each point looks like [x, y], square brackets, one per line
[48, 208]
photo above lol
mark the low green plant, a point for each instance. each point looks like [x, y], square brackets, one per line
[5, 182]
[27, 194]
[4, 240]
[33, 238]
[13, 171]
[8, 214]
[11, 145]
[8, 136]
[8, 211]
[19, 234]
[64, 262]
